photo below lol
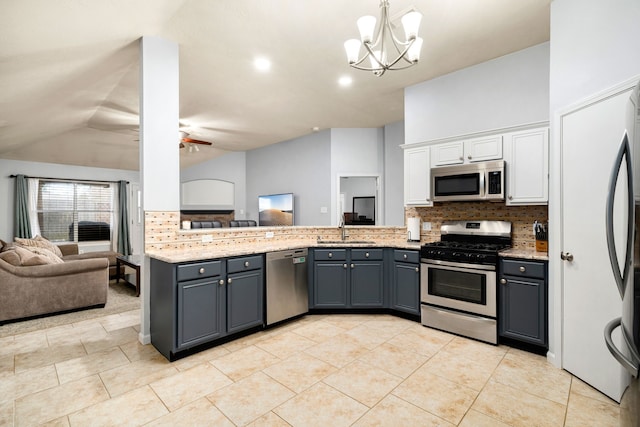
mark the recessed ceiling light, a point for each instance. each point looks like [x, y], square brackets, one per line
[262, 64]
[345, 81]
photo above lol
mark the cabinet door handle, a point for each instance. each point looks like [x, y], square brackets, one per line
[503, 281]
[510, 197]
[330, 255]
[404, 256]
[417, 270]
[344, 265]
[469, 157]
[353, 266]
[461, 158]
[522, 269]
[221, 282]
[229, 280]
[246, 263]
[366, 255]
[201, 271]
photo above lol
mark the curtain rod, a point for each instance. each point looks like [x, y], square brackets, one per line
[68, 179]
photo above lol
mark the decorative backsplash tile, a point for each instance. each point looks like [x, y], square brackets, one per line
[162, 229]
[521, 218]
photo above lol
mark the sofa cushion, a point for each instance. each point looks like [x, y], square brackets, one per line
[39, 242]
[50, 256]
[10, 257]
[28, 258]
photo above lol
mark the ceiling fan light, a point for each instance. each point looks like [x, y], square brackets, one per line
[366, 26]
[413, 54]
[411, 24]
[352, 47]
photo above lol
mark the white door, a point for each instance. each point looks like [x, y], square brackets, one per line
[590, 139]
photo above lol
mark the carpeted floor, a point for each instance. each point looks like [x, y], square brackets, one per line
[121, 298]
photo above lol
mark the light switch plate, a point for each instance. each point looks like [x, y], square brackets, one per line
[323, 209]
[207, 238]
[426, 226]
[268, 234]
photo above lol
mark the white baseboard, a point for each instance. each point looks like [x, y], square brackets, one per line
[144, 339]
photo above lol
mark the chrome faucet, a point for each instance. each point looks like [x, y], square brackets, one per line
[342, 227]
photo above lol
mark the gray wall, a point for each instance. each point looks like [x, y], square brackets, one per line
[507, 91]
[47, 170]
[594, 46]
[230, 167]
[393, 180]
[301, 166]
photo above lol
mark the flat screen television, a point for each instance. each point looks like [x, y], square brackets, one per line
[275, 209]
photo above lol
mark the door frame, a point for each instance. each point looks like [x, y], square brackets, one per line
[556, 231]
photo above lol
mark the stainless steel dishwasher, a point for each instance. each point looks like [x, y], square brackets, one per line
[287, 285]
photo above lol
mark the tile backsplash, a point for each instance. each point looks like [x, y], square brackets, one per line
[521, 218]
[162, 229]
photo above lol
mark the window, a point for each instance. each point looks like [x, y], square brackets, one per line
[75, 211]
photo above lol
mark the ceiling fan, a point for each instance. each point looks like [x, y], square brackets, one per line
[193, 143]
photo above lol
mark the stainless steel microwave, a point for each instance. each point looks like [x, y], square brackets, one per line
[474, 181]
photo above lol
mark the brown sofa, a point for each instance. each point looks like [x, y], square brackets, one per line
[39, 278]
[34, 290]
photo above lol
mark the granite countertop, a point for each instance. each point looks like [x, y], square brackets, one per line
[226, 251]
[524, 254]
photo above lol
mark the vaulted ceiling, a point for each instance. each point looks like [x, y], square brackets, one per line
[69, 69]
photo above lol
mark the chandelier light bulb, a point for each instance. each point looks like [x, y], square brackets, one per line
[366, 26]
[413, 54]
[411, 24]
[352, 46]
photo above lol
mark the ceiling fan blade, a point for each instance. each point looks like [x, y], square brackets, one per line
[195, 141]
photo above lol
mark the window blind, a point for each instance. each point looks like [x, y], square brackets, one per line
[75, 211]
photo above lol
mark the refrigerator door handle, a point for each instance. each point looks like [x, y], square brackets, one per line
[630, 365]
[621, 277]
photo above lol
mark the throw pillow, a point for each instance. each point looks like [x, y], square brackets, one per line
[10, 257]
[28, 258]
[39, 242]
[8, 247]
[50, 256]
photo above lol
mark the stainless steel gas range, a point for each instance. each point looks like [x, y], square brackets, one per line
[458, 278]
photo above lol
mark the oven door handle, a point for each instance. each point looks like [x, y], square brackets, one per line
[458, 265]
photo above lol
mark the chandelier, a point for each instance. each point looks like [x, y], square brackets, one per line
[384, 50]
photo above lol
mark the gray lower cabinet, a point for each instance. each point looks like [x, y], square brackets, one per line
[198, 302]
[522, 296]
[330, 278]
[405, 285]
[366, 272]
[245, 293]
[348, 278]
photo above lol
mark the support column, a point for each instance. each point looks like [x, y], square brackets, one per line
[159, 150]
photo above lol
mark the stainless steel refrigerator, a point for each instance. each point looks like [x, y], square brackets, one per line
[626, 267]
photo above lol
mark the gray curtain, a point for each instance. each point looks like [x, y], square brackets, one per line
[124, 242]
[21, 220]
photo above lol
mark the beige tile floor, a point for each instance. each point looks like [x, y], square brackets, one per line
[320, 370]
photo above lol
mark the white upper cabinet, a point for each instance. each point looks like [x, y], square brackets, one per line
[526, 154]
[468, 151]
[449, 153]
[417, 188]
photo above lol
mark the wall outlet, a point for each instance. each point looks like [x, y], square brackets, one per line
[426, 226]
[323, 209]
[268, 234]
[207, 238]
